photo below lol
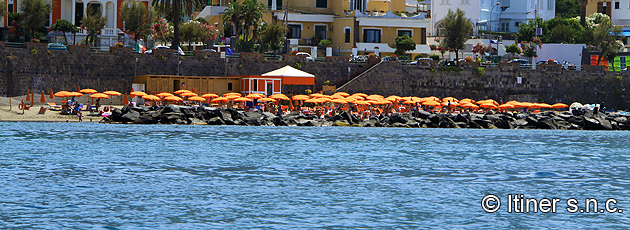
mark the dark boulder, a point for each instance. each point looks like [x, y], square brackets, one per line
[116, 115]
[215, 121]
[130, 117]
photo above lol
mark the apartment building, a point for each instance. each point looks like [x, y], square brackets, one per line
[492, 15]
[353, 26]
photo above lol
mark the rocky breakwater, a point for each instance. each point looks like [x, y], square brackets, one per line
[173, 114]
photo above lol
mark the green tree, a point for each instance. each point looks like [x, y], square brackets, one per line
[403, 44]
[138, 19]
[513, 49]
[233, 17]
[252, 14]
[3, 9]
[64, 26]
[457, 28]
[244, 19]
[35, 14]
[176, 7]
[567, 8]
[195, 31]
[93, 22]
[273, 36]
[607, 38]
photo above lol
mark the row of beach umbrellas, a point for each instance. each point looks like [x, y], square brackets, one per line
[317, 98]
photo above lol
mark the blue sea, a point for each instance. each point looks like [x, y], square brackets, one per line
[104, 176]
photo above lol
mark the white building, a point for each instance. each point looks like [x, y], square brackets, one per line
[494, 15]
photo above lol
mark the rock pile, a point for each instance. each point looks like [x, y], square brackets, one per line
[173, 114]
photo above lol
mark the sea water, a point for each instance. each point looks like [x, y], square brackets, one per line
[87, 175]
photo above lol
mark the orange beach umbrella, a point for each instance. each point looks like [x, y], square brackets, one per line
[137, 94]
[112, 93]
[62, 94]
[88, 91]
[99, 95]
[209, 95]
[173, 98]
[242, 99]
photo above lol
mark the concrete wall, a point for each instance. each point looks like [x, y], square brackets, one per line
[553, 86]
[21, 70]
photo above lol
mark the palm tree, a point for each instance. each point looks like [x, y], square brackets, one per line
[252, 13]
[233, 16]
[176, 6]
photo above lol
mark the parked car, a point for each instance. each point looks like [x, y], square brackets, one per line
[308, 56]
[420, 59]
[448, 63]
[56, 46]
[547, 62]
[524, 63]
[209, 50]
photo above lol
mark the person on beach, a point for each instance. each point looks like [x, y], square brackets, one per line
[80, 115]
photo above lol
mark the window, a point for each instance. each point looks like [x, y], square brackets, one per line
[505, 26]
[255, 85]
[295, 31]
[516, 24]
[465, 2]
[550, 4]
[320, 32]
[540, 5]
[321, 4]
[229, 86]
[347, 32]
[48, 19]
[403, 32]
[278, 4]
[371, 36]
[616, 5]
[10, 8]
[444, 2]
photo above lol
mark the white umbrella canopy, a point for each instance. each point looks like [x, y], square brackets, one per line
[576, 105]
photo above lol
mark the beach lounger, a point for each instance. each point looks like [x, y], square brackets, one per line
[54, 106]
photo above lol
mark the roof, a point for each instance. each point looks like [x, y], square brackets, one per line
[288, 71]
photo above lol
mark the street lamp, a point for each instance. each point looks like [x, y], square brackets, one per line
[498, 3]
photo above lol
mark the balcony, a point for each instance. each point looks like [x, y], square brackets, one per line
[384, 47]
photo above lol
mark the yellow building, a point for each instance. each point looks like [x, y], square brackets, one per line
[353, 26]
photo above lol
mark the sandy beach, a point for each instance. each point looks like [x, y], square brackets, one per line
[9, 109]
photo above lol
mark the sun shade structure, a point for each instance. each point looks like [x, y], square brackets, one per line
[292, 76]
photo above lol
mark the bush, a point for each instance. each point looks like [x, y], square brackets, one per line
[451, 68]
[435, 57]
[327, 82]
[480, 71]
[325, 43]
[469, 59]
[119, 44]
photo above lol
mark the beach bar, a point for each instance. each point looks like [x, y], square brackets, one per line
[287, 80]
[201, 84]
